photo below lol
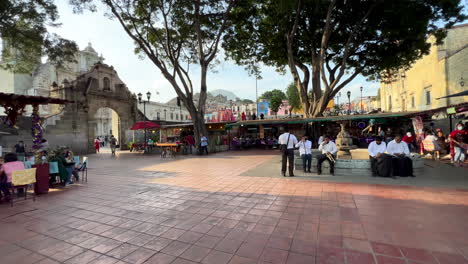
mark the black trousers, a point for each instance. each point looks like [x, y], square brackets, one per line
[381, 166]
[402, 166]
[288, 156]
[204, 149]
[306, 161]
[321, 158]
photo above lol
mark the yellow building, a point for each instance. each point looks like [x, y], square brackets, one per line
[442, 72]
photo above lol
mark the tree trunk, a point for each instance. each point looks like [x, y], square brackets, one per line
[199, 127]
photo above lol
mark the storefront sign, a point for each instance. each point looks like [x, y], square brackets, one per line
[451, 110]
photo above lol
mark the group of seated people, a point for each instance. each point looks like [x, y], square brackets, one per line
[390, 160]
[7, 166]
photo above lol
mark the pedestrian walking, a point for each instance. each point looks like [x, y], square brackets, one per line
[97, 144]
[287, 141]
[190, 141]
[113, 144]
[203, 145]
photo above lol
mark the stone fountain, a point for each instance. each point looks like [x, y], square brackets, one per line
[344, 143]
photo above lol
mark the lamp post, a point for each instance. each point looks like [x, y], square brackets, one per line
[148, 95]
[362, 107]
[349, 102]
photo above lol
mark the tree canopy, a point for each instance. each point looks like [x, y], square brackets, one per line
[25, 37]
[293, 97]
[268, 95]
[177, 36]
[327, 43]
[275, 103]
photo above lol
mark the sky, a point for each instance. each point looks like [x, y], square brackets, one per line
[109, 39]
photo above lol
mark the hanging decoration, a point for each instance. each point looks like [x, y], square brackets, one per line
[37, 132]
[13, 110]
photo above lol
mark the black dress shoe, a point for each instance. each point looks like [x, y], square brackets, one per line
[319, 172]
[309, 171]
[291, 175]
[284, 174]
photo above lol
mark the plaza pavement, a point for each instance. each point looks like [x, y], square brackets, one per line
[214, 210]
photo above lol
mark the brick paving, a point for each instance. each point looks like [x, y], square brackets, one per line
[139, 209]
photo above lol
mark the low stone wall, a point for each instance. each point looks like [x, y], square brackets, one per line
[356, 167]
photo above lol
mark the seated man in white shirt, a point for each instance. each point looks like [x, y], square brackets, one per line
[290, 141]
[402, 163]
[305, 149]
[381, 163]
[329, 150]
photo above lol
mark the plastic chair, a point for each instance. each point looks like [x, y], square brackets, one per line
[84, 169]
[27, 164]
[429, 147]
[23, 179]
[54, 169]
[76, 159]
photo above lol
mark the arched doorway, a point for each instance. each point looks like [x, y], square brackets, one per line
[107, 125]
[109, 117]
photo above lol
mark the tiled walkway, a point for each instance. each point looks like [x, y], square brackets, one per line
[137, 209]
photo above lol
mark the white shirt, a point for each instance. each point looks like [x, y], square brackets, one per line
[204, 141]
[374, 149]
[283, 140]
[330, 147]
[394, 147]
[304, 147]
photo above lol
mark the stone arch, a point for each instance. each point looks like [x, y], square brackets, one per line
[123, 110]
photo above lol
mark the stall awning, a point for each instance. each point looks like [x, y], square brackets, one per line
[320, 119]
[464, 93]
[144, 125]
[376, 116]
[6, 98]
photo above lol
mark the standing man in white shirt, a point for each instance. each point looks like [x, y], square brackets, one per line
[305, 149]
[329, 150]
[402, 163]
[290, 141]
[381, 163]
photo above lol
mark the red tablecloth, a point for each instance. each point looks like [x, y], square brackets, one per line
[42, 178]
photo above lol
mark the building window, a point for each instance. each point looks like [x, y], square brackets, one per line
[106, 84]
[389, 102]
[186, 117]
[172, 116]
[428, 97]
[413, 105]
[177, 116]
[157, 116]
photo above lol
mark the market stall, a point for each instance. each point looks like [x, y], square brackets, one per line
[14, 105]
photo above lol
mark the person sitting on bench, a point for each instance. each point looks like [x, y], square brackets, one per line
[381, 163]
[402, 163]
[329, 150]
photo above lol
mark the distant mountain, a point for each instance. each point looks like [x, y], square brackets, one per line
[230, 95]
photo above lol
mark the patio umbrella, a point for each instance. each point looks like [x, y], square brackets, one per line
[464, 93]
[144, 124]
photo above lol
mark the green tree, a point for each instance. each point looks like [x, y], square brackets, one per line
[275, 102]
[25, 37]
[268, 95]
[293, 98]
[327, 43]
[177, 36]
